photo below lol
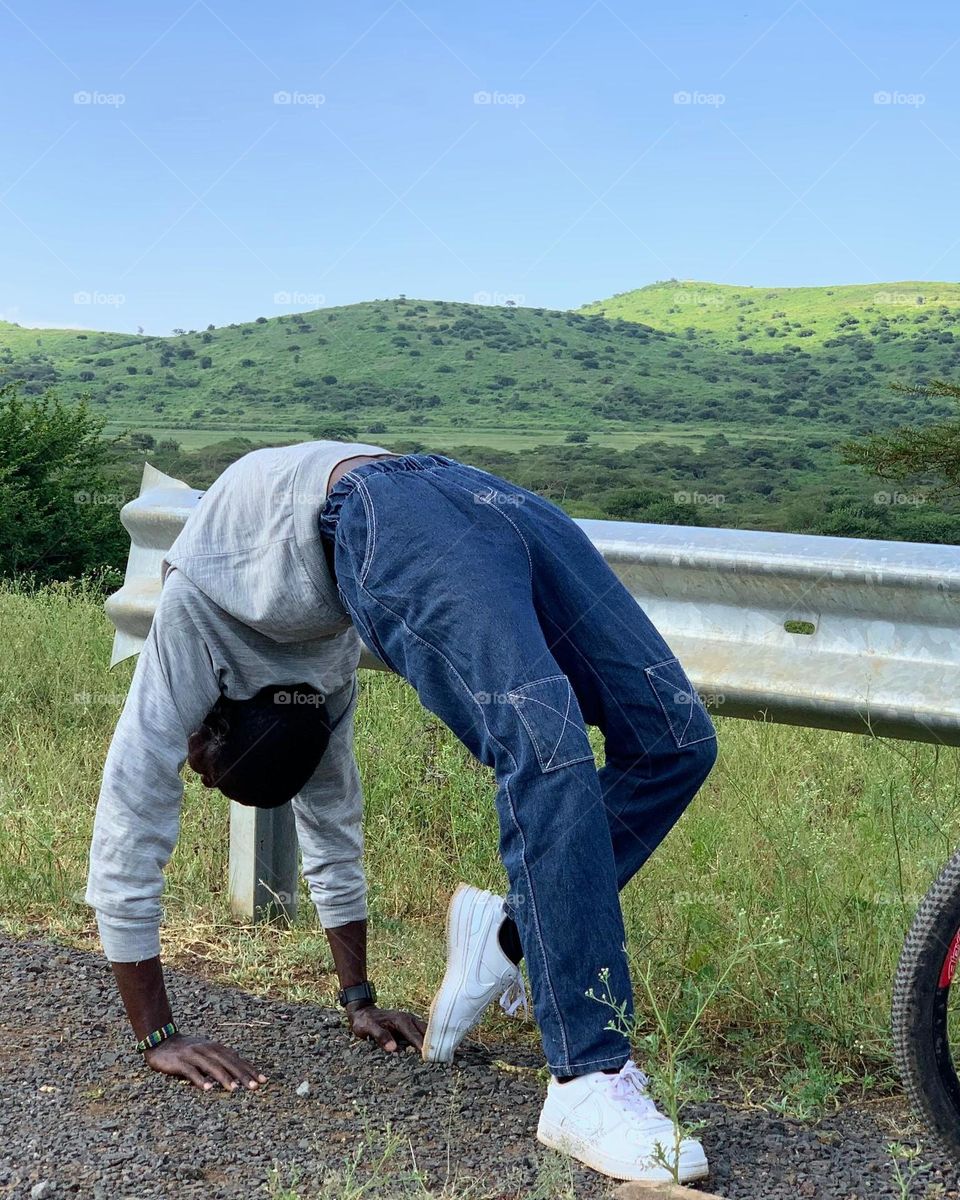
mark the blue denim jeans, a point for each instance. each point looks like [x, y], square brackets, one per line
[512, 628]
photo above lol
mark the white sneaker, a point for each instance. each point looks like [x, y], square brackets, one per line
[477, 969]
[610, 1123]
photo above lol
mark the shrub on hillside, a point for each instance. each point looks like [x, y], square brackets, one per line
[61, 490]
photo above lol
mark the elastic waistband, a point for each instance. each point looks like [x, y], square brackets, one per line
[330, 513]
[384, 466]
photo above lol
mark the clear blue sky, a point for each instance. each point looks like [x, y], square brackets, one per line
[183, 193]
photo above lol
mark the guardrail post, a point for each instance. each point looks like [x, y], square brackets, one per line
[263, 863]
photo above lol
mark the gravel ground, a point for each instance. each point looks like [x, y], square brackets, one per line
[81, 1117]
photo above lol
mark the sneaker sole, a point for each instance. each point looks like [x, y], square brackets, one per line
[438, 1028]
[582, 1151]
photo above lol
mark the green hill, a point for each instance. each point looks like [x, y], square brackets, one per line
[403, 363]
[697, 358]
[840, 344]
[700, 404]
[725, 310]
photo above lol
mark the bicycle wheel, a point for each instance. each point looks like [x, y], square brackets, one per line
[926, 1009]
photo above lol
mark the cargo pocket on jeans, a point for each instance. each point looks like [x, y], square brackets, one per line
[686, 714]
[552, 718]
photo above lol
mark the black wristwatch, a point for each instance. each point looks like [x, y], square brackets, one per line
[359, 991]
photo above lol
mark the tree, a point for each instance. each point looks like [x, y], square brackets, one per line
[925, 453]
[645, 504]
[335, 431]
[60, 492]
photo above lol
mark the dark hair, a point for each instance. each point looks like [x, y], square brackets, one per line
[261, 751]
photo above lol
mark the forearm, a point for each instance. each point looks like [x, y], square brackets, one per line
[348, 944]
[202, 1061]
[144, 995]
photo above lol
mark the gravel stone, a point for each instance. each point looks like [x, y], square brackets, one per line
[108, 1128]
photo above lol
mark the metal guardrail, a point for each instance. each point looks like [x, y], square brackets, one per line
[836, 633]
[833, 632]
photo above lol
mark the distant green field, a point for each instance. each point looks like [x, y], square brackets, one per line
[513, 439]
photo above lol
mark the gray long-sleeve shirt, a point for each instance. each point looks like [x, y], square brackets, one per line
[247, 602]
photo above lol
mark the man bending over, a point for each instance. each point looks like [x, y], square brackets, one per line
[512, 628]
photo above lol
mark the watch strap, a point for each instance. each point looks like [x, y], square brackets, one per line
[358, 991]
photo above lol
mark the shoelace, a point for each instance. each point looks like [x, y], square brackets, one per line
[630, 1088]
[515, 996]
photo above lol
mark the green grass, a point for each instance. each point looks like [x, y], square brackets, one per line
[800, 862]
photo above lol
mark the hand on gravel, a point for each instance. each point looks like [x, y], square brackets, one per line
[203, 1063]
[384, 1026]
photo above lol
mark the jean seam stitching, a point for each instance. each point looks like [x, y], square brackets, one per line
[536, 915]
[520, 692]
[371, 531]
[664, 663]
[564, 716]
[678, 738]
[533, 682]
[552, 766]
[513, 814]
[682, 735]
[367, 627]
[371, 515]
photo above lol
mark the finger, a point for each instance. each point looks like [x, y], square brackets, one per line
[241, 1071]
[405, 1025]
[206, 1062]
[384, 1038]
[188, 1071]
[233, 1059]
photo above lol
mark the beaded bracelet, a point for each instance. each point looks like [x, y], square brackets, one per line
[158, 1036]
